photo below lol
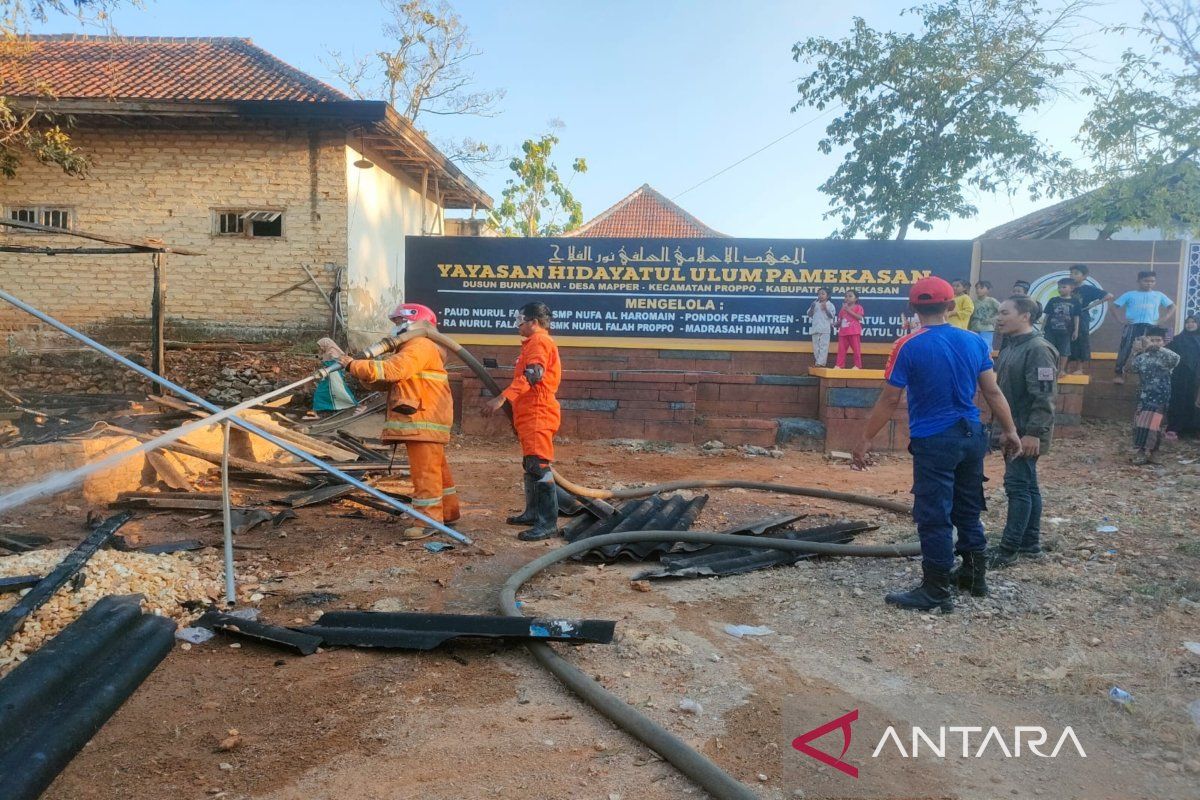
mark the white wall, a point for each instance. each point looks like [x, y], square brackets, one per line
[1122, 234]
[382, 208]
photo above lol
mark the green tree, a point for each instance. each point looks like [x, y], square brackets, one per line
[1143, 132]
[536, 198]
[27, 128]
[927, 116]
[424, 72]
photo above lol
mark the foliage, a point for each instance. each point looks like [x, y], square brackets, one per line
[27, 128]
[425, 72]
[1143, 132]
[927, 116]
[536, 198]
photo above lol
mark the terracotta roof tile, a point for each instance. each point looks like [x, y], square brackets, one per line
[646, 213]
[153, 68]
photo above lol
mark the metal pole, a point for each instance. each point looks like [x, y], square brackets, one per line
[241, 423]
[61, 480]
[227, 518]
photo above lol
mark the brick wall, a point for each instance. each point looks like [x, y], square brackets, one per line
[612, 399]
[150, 181]
[664, 406]
[603, 405]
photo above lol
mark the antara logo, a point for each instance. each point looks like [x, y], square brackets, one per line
[1033, 737]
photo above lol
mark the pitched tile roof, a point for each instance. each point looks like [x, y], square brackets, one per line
[1055, 220]
[153, 68]
[646, 212]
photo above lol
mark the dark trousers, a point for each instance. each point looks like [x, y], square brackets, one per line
[1023, 528]
[948, 491]
[1128, 335]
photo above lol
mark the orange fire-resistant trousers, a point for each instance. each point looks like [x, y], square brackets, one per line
[434, 494]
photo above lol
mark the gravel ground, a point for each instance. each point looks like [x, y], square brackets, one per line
[478, 720]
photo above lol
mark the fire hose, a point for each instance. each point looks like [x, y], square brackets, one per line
[704, 772]
[687, 760]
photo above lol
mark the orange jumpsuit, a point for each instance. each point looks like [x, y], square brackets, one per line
[420, 412]
[536, 414]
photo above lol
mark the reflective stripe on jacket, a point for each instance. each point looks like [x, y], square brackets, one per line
[419, 407]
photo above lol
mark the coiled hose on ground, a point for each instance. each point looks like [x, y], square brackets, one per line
[682, 756]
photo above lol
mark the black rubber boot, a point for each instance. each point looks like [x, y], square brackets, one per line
[972, 575]
[1001, 557]
[932, 594]
[529, 515]
[545, 505]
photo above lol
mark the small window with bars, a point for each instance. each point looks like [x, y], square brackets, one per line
[248, 224]
[49, 216]
[229, 223]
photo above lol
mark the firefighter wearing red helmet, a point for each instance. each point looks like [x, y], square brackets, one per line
[419, 413]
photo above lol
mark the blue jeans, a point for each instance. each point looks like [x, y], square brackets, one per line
[1023, 528]
[988, 337]
[948, 491]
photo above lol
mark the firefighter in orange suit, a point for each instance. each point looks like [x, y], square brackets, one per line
[419, 413]
[536, 417]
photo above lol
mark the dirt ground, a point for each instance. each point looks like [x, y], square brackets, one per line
[480, 720]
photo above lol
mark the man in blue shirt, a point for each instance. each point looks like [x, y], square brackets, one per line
[1139, 310]
[941, 367]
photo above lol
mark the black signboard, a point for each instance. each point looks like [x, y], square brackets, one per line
[740, 292]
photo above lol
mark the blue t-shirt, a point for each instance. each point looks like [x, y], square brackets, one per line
[1143, 307]
[940, 367]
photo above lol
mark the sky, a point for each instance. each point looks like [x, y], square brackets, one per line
[664, 92]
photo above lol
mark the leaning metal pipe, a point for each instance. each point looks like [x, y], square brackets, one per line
[241, 423]
[691, 763]
[64, 480]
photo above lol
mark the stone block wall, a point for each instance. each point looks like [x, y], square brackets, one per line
[844, 407]
[166, 183]
[685, 407]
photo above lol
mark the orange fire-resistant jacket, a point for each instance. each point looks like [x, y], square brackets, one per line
[535, 408]
[419, 405]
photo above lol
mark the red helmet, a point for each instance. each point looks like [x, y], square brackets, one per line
[413, 312]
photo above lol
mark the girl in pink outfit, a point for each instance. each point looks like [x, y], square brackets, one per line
[850, 319]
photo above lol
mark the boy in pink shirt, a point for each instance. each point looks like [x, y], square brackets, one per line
[850, 319]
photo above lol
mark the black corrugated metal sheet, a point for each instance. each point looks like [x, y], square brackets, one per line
[411, 631]
[54, 702]
[736, 560]
[654, 513]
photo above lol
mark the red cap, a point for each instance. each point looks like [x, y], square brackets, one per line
[930, 290]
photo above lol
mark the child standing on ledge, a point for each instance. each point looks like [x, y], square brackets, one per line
[822, 316]
[850, 319]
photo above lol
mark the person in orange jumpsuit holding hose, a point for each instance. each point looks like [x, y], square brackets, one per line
[419, 413]
[536, 417]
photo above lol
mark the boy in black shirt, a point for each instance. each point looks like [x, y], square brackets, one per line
[1090, 296]
[1062, 321]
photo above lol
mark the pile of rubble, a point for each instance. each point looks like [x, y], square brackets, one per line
[235, 386]
[173, 585]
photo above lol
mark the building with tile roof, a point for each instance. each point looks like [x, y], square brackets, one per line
[216, 145]
[645, 212]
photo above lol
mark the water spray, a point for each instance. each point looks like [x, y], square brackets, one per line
[64, 480]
